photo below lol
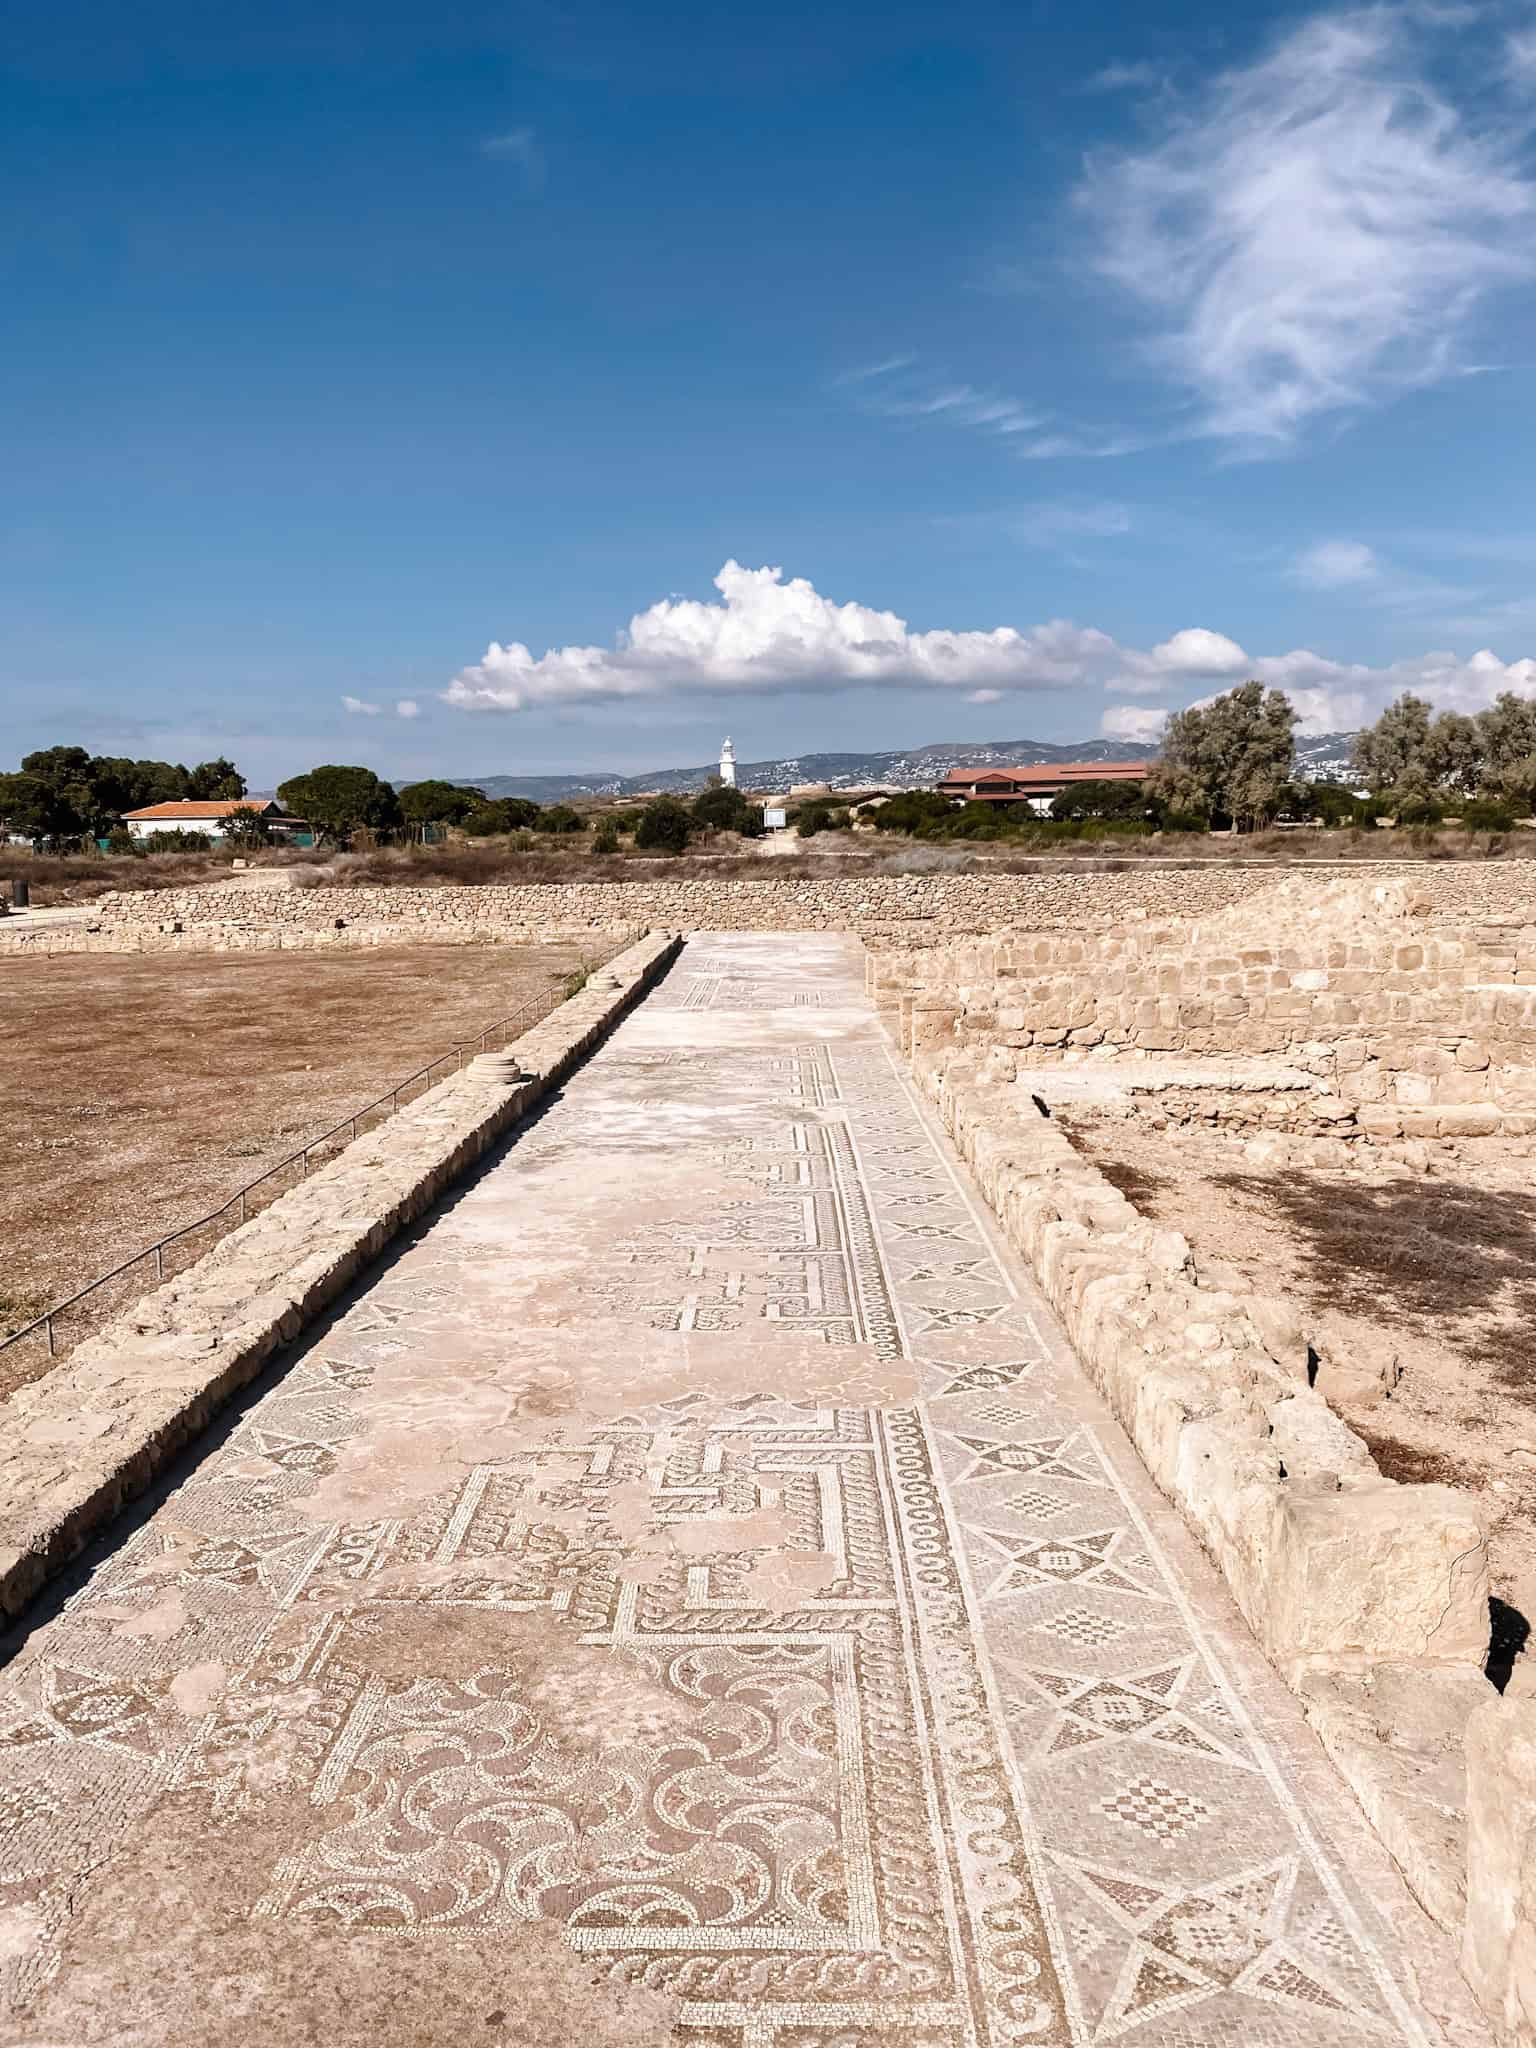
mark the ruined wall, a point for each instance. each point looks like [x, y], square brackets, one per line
[1409, 1027]
[251, 919]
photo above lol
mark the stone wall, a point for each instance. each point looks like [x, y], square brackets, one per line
[246, 917]
[1410, 1029]
[1371, 1597]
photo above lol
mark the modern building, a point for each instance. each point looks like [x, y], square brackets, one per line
[1038, 785]
[211, 818]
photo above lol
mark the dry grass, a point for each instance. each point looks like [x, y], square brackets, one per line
[1444, 1263]
[65, 879]
[137, 1093]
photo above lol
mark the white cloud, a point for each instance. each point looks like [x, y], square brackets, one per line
[771, 635]
[359, 707]
[1335, 564]
[519, 146]
[407, 707]
[1124, 78]
[1051, 522]
[894, 389]
[1520, 53]
[767, 635]
[1318, 231]
[1127, 722]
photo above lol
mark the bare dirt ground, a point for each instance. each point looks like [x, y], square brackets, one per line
[138, 1093]
[1446, 1262]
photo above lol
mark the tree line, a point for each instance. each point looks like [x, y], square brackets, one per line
[64, 794]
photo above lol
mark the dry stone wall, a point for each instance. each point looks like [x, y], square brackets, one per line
[1409, 1028]
[250, 919]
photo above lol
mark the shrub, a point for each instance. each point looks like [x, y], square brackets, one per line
[561, 818]
[820, 815]
[913, 811]
[606, 838]
[664, 826]
[723, 809]
[1486, 814]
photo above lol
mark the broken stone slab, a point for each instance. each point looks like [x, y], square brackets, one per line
[1397, 1735]
[161, 1372]
[1499, 1943]
[1378, 1574]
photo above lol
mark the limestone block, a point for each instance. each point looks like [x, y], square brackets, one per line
[1355, 1368]
[1378, 1575]
[1499, 1945]
[1317, 1452]
[1397, 1736]
[1280, 1330]
[1471, 1056]
[1467, 1120]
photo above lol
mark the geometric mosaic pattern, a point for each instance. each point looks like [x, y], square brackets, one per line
[917, 1721]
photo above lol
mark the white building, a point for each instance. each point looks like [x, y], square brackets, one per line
[727, 764]
[210, 817]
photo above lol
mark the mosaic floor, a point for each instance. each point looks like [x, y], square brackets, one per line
[691, 1595]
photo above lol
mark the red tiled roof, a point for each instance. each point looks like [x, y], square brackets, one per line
[190, 807]
[1055, 771]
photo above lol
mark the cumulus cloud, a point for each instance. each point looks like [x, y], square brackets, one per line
[407, 707]
[359, 707]
[1318, 232]
[767, 635]
[1131, 722]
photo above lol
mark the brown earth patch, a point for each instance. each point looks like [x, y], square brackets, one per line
[138, 1092]
[1444, 1263]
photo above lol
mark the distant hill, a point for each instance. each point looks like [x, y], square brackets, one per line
[1326, 756]
[907, 768]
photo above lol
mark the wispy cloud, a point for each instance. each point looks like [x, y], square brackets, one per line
[1124, 78]
[1054, 521]
[767, 636]
[518, 146]
[407, 707]
[1336, 565]
[359, 707]
[1317, 232]
[898, 390]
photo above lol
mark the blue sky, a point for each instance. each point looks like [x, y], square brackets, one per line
[1069, 363]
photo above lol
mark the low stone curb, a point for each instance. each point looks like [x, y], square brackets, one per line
[1370, 1597]
[84, 1440]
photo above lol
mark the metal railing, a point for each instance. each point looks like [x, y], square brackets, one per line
[240, 1206]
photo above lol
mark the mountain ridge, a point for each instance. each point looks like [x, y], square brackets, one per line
[902, 768]
[1322, 758]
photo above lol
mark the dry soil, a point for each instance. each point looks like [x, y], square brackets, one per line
[137, 1093]
[1445, 1261]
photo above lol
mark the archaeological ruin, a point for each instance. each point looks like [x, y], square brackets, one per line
[928, 1461]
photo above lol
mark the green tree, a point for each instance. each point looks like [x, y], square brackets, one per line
[915, 810]
[723, 809]
[339, 800]
[1230, 758]
[247, 828]
[664, 826]
[439, 803]
[1456, 752]
[1507, 730]
[31, 807]
[1101, 800]
[606, 838]
[1395, 752]
[215, 781]
[561, 818]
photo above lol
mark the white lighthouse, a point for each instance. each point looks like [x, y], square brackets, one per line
[727, 764]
